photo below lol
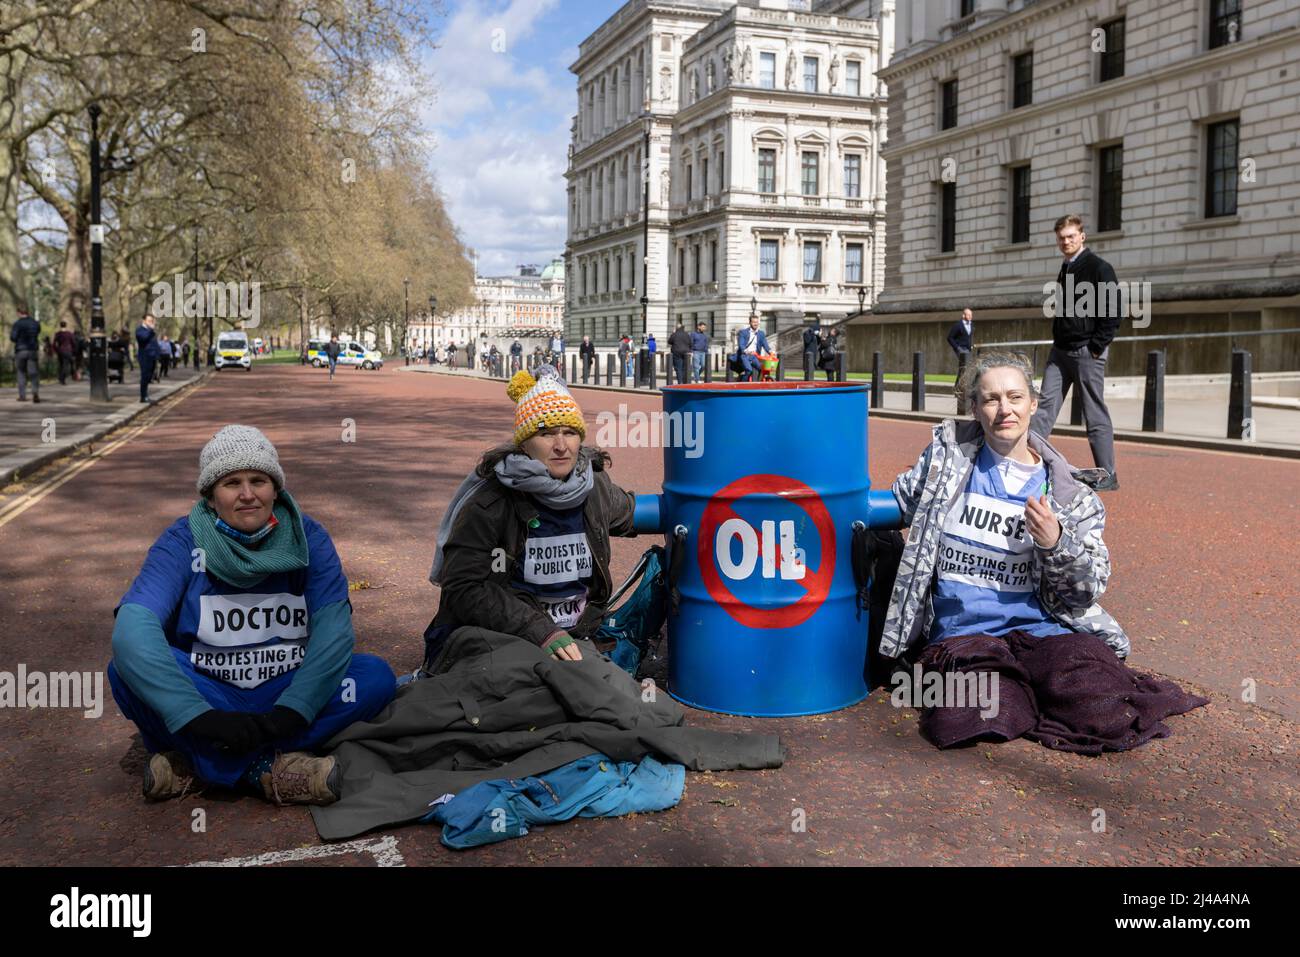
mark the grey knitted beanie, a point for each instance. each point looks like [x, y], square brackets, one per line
[234, 448]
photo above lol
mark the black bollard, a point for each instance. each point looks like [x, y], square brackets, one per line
[877, 380]
[918, 381]
[1153, 403]
[961, 375]
[609, 369]
[573, 368]
[622, 373]
[1241, 422]
[708, 367]
[780, 369]
[808, 372]
[654, 376]
[839, 367]
[1076, 406]
[727, 361]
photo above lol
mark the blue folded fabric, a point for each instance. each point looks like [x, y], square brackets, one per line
[594, 786]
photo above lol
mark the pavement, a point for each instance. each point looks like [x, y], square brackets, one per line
[1205, 554]
[1200, 421]
[66, 418]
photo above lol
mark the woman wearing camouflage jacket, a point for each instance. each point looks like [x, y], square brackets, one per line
[998, 586]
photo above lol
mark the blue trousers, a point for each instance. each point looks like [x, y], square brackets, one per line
[373, 688]
[751, 365]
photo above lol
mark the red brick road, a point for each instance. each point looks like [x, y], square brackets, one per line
[1205, 552]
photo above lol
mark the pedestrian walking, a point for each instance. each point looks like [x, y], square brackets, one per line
[26, 337]
[146, 341]
[469, 355]
[164, 356]
[828, 354]
[679, 347]
[625, 354]
[811, 349]
[516, 356]
[961, 336]
[65, 347]
[332, 352]
[699, 351]
[1082, 330]
[125, 335]
[451, 355]
[587, 353]
[79, 357]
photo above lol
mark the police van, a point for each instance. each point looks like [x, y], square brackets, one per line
[351, 353]
[233, 351]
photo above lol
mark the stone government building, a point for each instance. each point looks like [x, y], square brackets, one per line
[1179, 144]
[759, 125]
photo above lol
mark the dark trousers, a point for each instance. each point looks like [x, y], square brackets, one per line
[1079, 369]
[679, 367]
[65, 368]
[28, 368]
[146, 375]
[164, 365]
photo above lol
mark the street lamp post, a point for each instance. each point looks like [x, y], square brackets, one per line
[208, 275]
[98, 352]
[645, 227]
[406, 321]
[433, 325]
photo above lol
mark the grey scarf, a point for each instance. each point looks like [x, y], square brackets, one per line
[523, 474]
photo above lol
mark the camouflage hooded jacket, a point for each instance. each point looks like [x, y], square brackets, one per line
[1071, 575]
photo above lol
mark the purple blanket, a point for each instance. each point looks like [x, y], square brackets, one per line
[1068, 692]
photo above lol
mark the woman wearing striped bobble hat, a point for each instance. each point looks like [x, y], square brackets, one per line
[524, 546]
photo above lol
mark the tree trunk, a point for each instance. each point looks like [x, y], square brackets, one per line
[74, 293]
[13, 279]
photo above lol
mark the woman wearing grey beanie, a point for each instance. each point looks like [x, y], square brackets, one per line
[232, 649]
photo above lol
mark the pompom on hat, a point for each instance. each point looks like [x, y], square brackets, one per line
[234, 448]
[542, 402]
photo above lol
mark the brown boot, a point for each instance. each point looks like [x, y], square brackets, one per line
[169, 775]
[301, 778]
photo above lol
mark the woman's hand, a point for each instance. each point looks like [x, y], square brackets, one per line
[1044, 526]
[562, 648]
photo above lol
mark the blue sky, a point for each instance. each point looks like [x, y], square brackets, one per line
[500, 121]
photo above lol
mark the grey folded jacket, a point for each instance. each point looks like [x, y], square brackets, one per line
[497, 706]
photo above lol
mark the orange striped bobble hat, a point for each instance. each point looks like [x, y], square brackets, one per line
[543, 402]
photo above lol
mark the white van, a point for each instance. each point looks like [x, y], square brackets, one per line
[233, 350]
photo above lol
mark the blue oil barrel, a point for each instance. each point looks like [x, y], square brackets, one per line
[765, 480]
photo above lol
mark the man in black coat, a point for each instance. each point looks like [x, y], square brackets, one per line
[811, 346]
[679, 343]
[961, 336]
[1086, 320]
[25, 335]
[587, 353]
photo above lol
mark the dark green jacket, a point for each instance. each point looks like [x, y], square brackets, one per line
[476, 582]
[497, 707]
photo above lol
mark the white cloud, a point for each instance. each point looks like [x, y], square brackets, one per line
[502, 128]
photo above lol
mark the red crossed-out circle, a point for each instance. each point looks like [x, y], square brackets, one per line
[816, 585]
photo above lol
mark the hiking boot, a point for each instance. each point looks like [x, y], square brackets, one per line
[301, 778]
[36, 398]
[169, 775]
[1109, 484]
